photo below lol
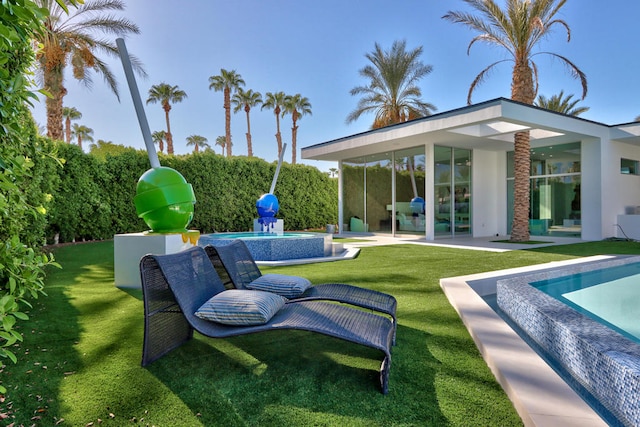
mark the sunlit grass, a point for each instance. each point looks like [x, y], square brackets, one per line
[80, 360]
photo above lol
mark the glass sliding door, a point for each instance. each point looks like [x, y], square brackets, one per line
[378, 183]
[367, 193]
[462, 190]
[410, 181]
[555, 207]
[442, 191]
[452, 191]
[353, 173]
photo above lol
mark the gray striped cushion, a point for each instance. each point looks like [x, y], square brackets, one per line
[241, 307]
[287, 286]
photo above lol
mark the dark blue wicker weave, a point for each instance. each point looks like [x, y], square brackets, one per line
[176, 285]
[235, 264]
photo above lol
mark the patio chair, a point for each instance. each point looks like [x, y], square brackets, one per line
[237, 268]
[175, 286]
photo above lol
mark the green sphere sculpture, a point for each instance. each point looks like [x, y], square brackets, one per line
[164, 200]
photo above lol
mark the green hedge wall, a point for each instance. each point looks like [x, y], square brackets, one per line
[94, 199]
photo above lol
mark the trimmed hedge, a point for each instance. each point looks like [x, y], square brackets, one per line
[95, 196]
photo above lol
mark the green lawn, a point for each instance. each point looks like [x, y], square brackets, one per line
[80, 359]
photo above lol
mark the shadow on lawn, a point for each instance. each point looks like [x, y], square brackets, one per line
[45, 358]
[299, 378]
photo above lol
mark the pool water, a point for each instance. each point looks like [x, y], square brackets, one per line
[610, 296]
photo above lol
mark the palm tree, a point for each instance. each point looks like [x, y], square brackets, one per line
[227, 82]
[275, 102]
[71, 38]
[166, 94]
[297, 106]
[246, 100]
[82, 132]
[197, 141]
[561, 104]
[70, 113]
[333, 172]
[159, 137]
[392, 93]
[222, 142]
[518, 29]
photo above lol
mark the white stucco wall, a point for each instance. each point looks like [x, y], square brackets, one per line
[624, 190]
[489, 193]
[591, 190]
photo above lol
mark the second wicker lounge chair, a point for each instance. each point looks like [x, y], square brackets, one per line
[236, 266]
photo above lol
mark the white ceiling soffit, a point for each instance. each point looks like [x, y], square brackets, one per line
[489, 129]
[533, 135]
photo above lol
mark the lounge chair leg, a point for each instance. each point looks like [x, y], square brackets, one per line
[384, 375]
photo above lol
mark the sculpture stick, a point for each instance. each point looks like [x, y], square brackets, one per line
[413, 178]
[275, 177]
[137, 103]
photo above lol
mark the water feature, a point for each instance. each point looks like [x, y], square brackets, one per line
[278, 246]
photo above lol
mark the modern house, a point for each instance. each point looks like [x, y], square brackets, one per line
[451, 174]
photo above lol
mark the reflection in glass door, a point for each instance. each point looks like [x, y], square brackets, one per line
[452, 168]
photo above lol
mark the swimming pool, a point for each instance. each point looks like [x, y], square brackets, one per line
[610, 296]
[276, 246]
[590, 346]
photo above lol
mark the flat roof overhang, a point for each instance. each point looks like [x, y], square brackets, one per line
[489, 126]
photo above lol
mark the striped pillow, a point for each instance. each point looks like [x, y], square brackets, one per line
[241, 307]
[287, 286]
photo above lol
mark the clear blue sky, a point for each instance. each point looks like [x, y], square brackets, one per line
[316, 48]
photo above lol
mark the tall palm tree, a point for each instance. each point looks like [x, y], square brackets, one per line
[76, 38]
[227, 82]
[159, 137]
[222, 142]
[70, 113]
[392, 93]
[519, 29]
[197, 141]
[561, 104]
[82, 132]
[275, 101]
[246, 100]
[166, 94]
[298, 106]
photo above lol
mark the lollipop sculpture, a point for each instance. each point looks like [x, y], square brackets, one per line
[267, 204]
[164, 199]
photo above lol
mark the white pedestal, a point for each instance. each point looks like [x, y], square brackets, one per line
[130, 248]
[278, 227]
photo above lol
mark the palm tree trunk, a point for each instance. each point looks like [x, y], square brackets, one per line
[68, 130]
[249, 146]
[80, 142]
[53, 85]
[522, 90]
[294, 138]
[521, 188]
[227, 118]
[167, 108]
[54, 114]
[278, 135]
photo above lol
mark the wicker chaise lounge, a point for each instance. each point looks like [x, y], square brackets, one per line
[175, 286]
[235, 264]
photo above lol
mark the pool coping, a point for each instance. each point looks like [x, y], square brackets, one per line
[537, 392]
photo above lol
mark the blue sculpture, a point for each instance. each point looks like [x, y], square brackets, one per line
[417, 205]
[267, 204]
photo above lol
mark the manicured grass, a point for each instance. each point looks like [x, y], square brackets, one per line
[80, 361]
